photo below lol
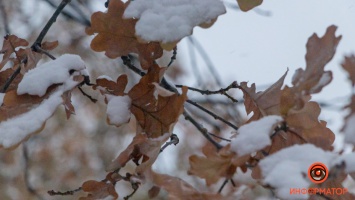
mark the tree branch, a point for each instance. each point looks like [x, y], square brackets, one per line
[29, 187]
[212, 114]
[222, 91]
[4, 17]
[49, 24]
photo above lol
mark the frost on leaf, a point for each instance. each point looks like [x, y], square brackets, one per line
[213, 165]
[255, 135]
[22, 115]
[246, 5]
[179, 189]
[158, 115]
[98, 190]
[262, 103]
[174, 19]
[141, 148]
[116, 36]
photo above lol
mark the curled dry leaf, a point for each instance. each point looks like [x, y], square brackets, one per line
[140, 147]
[110, 87]
[98, 190]
[214, 165]
[246, 5]
[116, 36]
[156, 116]
[11, 42]
[311, 80]
[262, 103]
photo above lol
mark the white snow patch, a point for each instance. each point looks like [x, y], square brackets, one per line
[118, 109]
[324, 80]
[105, 77]
[14, 130]
[161, 91]
[37, 80]
[288, 168]
[171, 20]
[349, 130]
[2, 98]
[255, 135]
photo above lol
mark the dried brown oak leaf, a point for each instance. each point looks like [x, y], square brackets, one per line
[246, 5]
[349, 66]
[107, 86]
[11, 42]
[311, 80]
[179, 189]
[303, 127]
[262, 103]
[5, 75]
[155, 112]
[214, 165]
[116, 35]
[143, 148]
[98, 190]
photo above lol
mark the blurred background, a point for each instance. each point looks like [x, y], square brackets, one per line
[257, 46]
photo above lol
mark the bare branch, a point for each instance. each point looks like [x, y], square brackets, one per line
[173, 140]
[29, 187]
[49, 24]
[222, 91]
[4, 17]
[173, 57]
[212, 114]
[70, 192]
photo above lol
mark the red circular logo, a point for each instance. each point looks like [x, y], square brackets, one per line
[318, 172]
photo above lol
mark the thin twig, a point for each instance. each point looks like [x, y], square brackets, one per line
[202, 130]
[4, 17]
[219, 137]
[135, 187]
[86, 95]
[69, 192]
[49, 24]
[30, 189]
[173, 140]
[10, 79]
[207, 59]
[127, 61]
[212, 114]
[222, 186]
[173, 57]
[193, 63]
[222, 91]
[40, 50]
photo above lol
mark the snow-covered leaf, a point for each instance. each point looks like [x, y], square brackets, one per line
[174, 19]
[255, 135]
